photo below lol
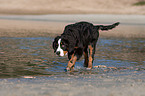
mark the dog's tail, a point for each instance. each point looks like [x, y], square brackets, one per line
[102, 27]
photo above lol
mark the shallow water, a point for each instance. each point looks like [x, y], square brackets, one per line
[34, 57]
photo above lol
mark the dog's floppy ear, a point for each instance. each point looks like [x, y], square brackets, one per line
[55, 43]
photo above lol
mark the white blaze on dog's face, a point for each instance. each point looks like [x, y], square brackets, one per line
[59, 50]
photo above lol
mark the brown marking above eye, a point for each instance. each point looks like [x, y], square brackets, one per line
[56, 44]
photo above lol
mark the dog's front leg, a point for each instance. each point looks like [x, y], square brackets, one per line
[71, 63]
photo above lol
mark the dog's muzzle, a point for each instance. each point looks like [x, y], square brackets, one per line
[61, 53]
[58, 53]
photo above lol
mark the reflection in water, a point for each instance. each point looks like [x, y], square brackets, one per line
[34, 56]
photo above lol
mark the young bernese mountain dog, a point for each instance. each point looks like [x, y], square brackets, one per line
[78, 39]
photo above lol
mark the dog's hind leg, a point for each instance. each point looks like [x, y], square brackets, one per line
[86, 57]
[92, 48]
[90, 56]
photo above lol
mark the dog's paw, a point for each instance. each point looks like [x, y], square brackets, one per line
[88, 68]
[67, 69]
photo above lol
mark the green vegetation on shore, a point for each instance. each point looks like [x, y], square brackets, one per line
[140, 3]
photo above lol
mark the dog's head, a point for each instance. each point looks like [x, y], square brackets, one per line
[60, 46]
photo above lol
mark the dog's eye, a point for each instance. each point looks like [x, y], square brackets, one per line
[56, 45]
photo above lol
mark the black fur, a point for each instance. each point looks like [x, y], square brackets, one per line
[76, 37]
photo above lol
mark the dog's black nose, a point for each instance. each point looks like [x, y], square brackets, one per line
[58, 52]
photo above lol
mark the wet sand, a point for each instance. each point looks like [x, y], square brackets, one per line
[88, 85]
[115, 83]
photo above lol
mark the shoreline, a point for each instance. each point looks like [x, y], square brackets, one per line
[69, 18]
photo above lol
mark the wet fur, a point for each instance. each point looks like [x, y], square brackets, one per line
[81, 38]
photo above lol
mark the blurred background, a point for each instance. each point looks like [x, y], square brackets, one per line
[72, 7]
